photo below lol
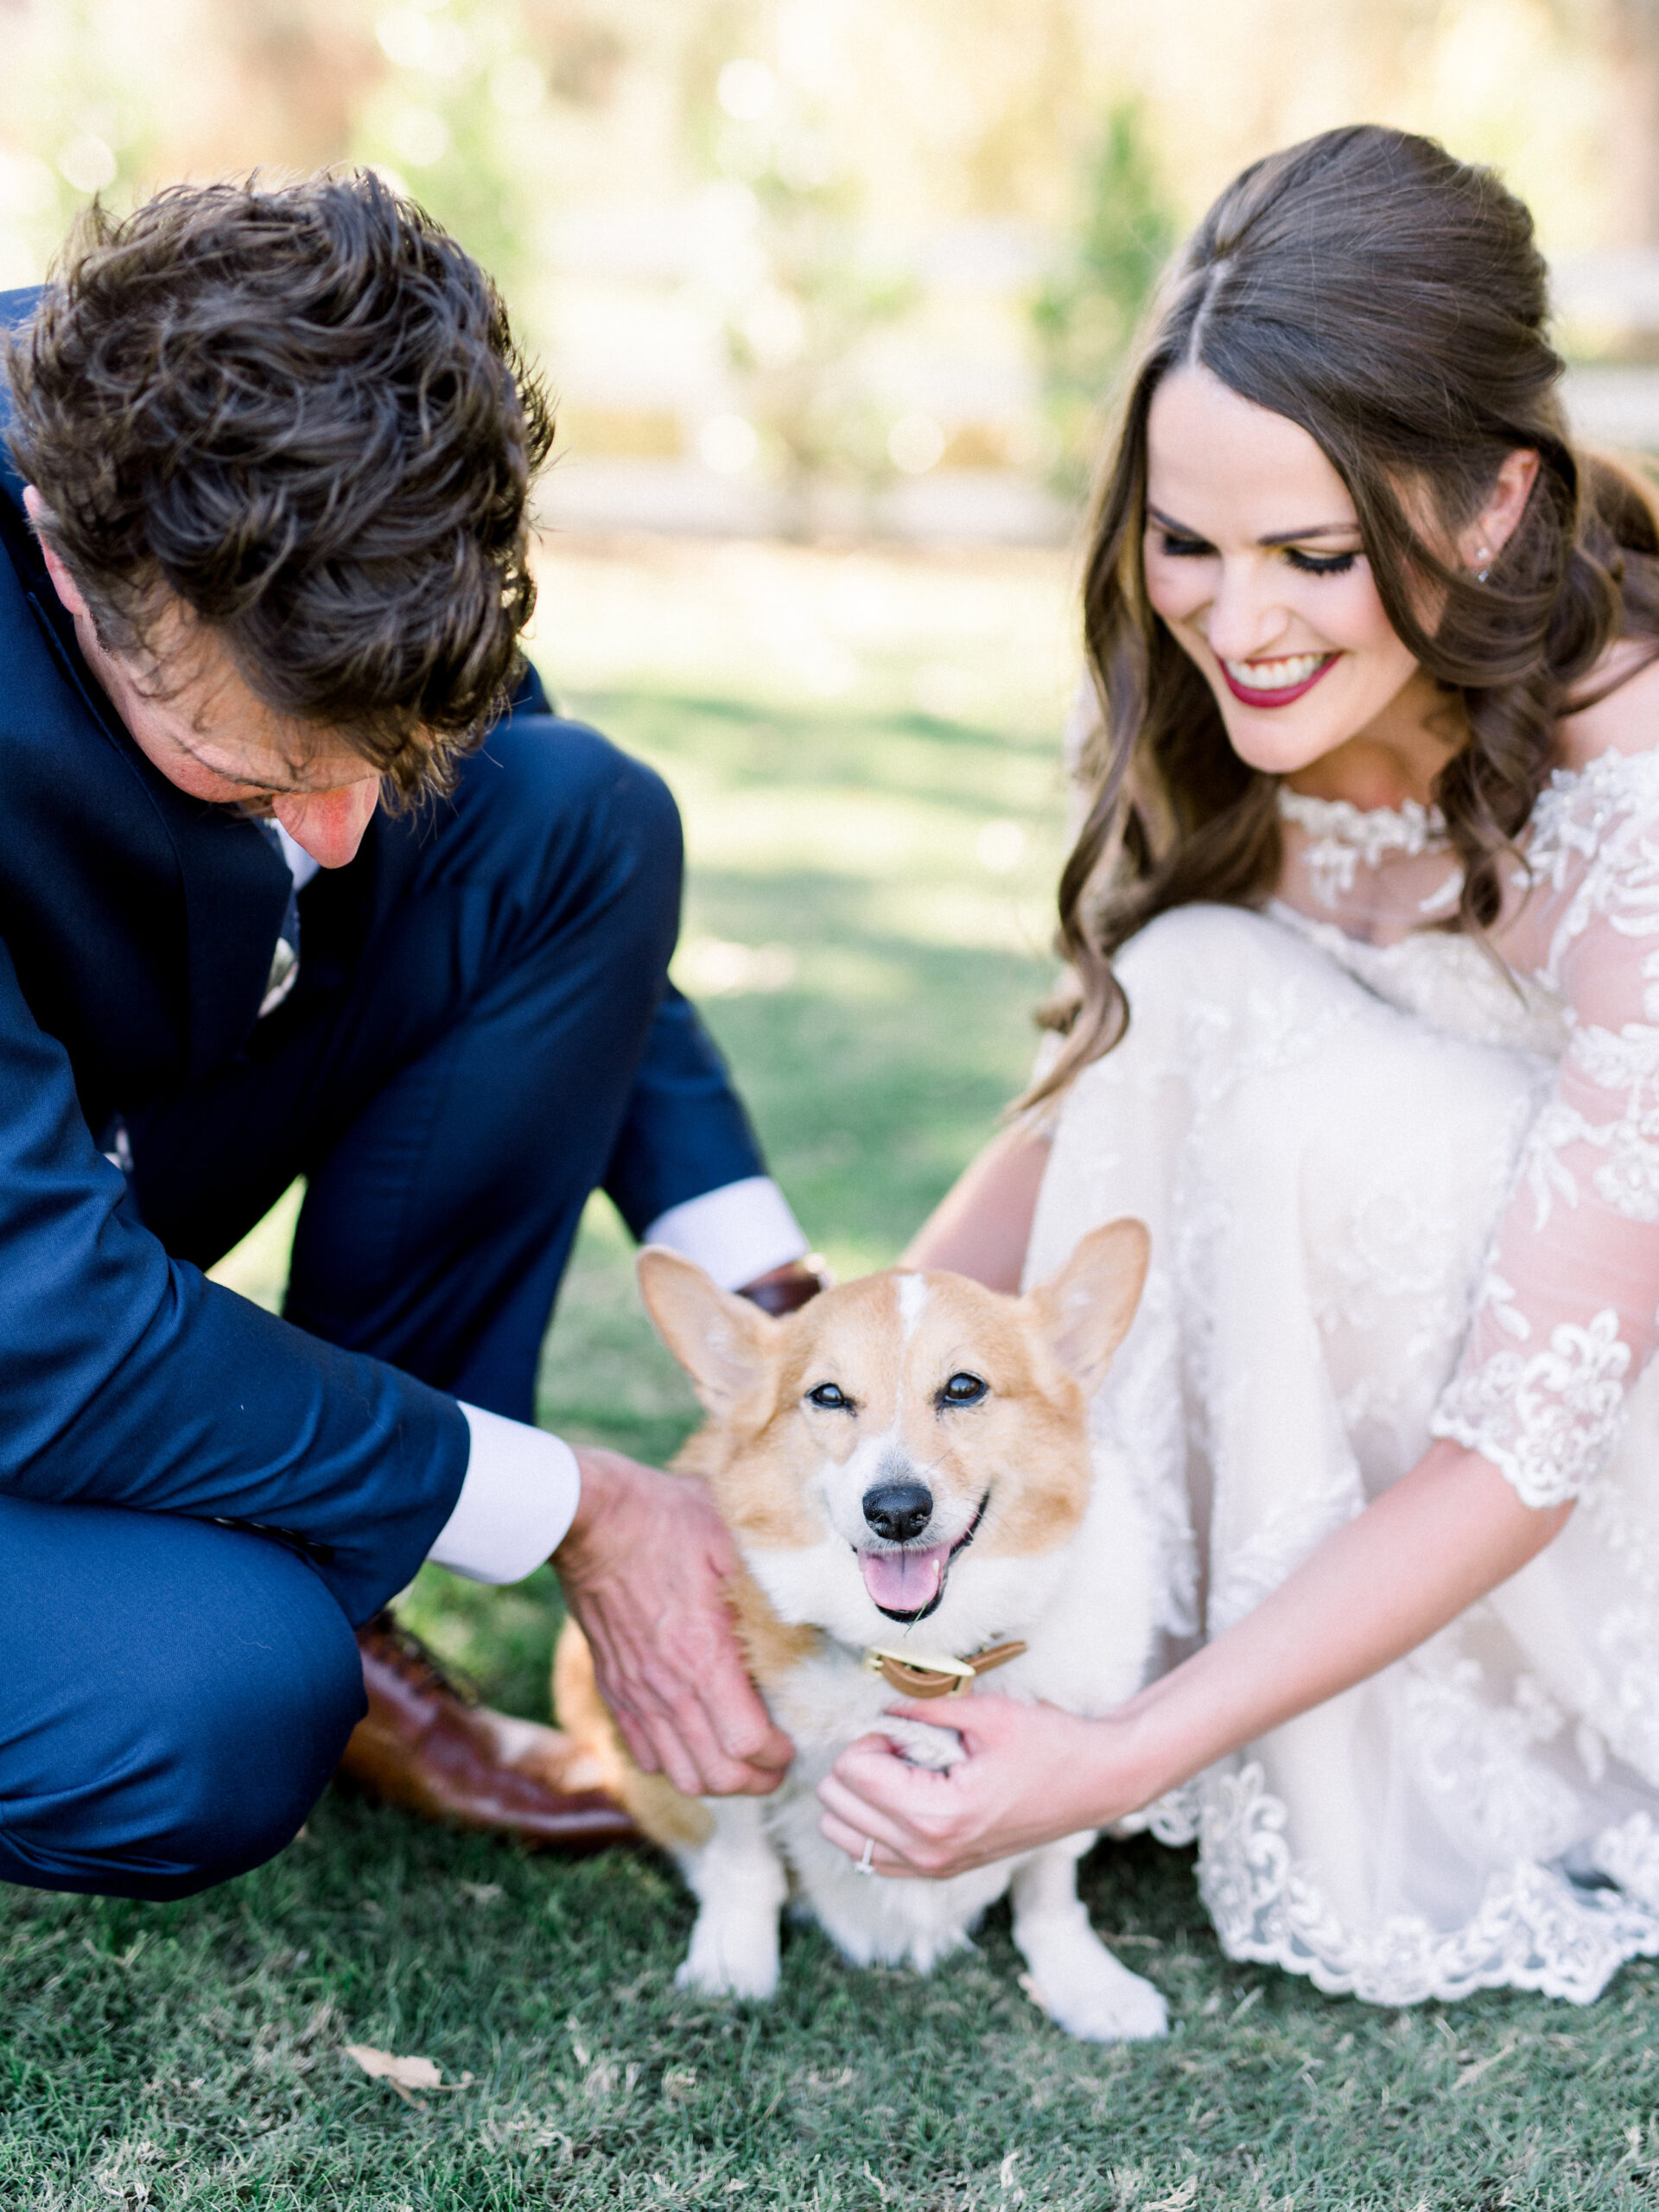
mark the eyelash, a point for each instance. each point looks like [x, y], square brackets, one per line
[1310, 564]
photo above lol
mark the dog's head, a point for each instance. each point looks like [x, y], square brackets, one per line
[906, 1448]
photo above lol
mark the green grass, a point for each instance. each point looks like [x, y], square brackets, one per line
[191, 2054]
[193, 2051]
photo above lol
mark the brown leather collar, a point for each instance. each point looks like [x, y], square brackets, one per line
[936, 1677]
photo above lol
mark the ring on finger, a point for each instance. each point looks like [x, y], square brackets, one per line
[867, 1864]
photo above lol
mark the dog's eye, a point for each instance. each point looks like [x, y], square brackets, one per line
[963, 1390]
[832, 1397]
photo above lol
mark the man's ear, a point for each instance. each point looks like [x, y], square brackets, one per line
[723, 1343]
[62, 582]
[1086, 1309]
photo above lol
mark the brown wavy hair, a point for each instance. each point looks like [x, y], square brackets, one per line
[297, 408]
[1392, 302]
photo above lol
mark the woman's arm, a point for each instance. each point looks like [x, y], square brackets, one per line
[982, 1225]
[1443, 1535]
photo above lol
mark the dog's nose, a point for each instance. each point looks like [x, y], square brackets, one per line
[898, 1511]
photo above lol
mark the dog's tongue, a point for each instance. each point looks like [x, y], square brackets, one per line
[903, 1582]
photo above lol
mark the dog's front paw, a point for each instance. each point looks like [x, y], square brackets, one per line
[731, 1957]
[1098, 2000]
[923, 1744]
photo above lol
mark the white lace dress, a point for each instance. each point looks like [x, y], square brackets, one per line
[1398, 1193]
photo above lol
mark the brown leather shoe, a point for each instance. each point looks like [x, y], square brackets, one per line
[425, 1745]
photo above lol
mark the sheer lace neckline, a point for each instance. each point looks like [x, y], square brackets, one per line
[1341, 834]
[1372, 831]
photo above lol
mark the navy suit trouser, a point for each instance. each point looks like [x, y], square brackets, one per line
[176, 1693]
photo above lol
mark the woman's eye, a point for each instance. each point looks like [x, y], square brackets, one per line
[1186, 548]
[963, 1390]
[831, 1397]
[1320, 564]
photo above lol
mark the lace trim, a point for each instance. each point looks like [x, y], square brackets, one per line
[1611, 783]
[1534, 1928]
[1548, 1422]
[1340, 836]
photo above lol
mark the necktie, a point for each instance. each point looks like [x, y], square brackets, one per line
[285, 955]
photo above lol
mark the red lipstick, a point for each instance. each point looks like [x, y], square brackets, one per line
[1251, 698]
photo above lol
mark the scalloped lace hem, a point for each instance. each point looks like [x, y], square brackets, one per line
[1535, 1928]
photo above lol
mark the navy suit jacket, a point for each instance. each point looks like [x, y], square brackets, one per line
[136, 931]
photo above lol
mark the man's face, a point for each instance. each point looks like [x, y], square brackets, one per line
[209, 733]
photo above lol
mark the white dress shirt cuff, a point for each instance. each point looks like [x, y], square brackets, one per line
[516, 1500]
[736, 1234]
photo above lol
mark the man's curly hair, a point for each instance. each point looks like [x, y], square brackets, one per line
[298, 408]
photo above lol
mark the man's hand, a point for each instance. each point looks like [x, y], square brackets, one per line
[642, 1565]
[1029, 1775]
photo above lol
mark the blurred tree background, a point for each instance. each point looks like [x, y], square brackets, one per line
[796, 264]
[1084, 313]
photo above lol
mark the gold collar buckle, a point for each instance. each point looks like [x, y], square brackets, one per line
[925, 1675]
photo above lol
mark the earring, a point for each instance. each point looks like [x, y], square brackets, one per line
[1484, 557]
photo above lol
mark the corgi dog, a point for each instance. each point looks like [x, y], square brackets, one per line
[905, 1464]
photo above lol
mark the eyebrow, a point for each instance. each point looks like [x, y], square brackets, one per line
[252, 787]
[1277, 538]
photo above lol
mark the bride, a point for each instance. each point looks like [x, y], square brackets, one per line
[1364, 919]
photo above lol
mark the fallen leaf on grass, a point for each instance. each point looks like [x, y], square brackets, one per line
[404, 2073]
[401, 2073]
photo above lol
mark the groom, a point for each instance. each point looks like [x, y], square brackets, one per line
[281, 894]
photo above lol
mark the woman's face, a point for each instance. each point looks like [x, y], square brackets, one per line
[1253, 558]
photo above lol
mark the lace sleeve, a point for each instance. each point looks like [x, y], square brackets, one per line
[1568, 1313]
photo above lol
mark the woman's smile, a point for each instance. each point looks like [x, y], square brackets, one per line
[1276, 683]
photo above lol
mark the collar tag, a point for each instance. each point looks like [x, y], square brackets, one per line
[921, 1662]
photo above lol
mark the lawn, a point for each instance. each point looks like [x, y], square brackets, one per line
[864, 747]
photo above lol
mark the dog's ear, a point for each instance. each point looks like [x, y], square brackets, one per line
[1086, 1309]
[722, 1341]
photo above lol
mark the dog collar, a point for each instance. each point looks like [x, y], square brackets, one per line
[922, 1674]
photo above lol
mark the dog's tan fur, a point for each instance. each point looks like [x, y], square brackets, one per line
[783, 1469]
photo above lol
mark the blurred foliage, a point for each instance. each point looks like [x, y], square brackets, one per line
[940, 109]
[797, 339]
[1085, 316]
[813, 222]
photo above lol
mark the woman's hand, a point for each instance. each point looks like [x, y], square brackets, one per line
[644, 1567]
[1029, 1775]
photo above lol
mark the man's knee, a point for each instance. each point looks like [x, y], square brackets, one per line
[206, 1758]
[583, 800]
[254, 1731]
